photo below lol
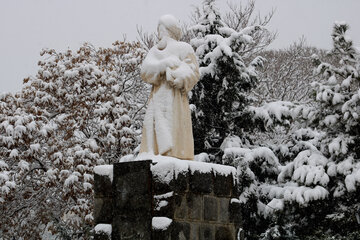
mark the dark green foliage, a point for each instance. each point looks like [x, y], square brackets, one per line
[221, 96]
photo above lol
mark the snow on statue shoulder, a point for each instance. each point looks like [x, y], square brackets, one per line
[172, 69]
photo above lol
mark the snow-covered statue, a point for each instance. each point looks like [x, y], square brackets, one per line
[172, 69]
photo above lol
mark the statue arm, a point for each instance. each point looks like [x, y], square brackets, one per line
[151, 78]
[150, 72]
[153, 69]
[186, 75]
[192, 79]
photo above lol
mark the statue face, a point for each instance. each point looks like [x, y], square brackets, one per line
[169, 26]
[162, 31]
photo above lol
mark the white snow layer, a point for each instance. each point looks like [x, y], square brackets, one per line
[166, 168]
[273, 206]
[161, 223]
[292, 192]
[103, 228]
[276, 111]
[269, 162]
[104, 170]
[351, 180]
[164, 196]
[202, 157]
[231, 141]
[161, 204]
[161, 200]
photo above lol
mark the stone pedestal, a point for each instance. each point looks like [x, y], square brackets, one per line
[132, 201]
[198, 202]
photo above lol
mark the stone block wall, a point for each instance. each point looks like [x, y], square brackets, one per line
[169, 200]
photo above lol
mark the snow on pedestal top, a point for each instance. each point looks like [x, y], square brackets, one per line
[167, 167]
[104, 170]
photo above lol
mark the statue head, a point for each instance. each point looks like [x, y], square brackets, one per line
[169, 26]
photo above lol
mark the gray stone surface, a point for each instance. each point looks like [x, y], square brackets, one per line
[131, 227]
[235, 189]
[101, 236]
[224, 216]
[181, 182]
[102, 186]
[180, 207]
[201, 182]
[132, 191]
[132, 201]
[207, 232]
[160, 187]
[235, 213]
[223, 185]
[224, 233]
[103, 210]
[194, 231]
[210, 208]
[194, 203]
[161, 234]
[180, 231]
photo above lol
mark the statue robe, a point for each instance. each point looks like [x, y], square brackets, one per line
[167, 128]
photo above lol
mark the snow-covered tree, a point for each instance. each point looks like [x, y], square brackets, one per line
[239, 16]
[306, 185]
[259, 164]
[221, 96]
[287, 74]
[318, 188]
[338, 116]
[79, 111]
[19, 133]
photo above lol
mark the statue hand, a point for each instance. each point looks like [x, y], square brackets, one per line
[172, 62]
[178, 84]
[169, 76]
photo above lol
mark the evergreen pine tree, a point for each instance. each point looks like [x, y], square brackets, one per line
[339, 98]
[221, 96]
[316, 194]
[320, 185]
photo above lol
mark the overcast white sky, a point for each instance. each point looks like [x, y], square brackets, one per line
[27, 26]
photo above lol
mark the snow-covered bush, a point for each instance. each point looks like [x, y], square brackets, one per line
[338, 96]
[82, 109]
